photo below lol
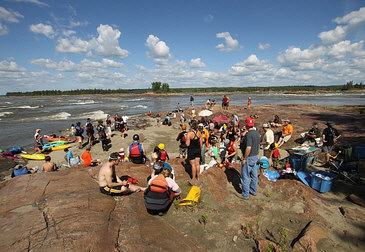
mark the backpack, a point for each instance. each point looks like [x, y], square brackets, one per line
[79, 131]
[158, 196]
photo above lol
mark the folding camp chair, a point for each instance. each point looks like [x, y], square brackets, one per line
[346, 170]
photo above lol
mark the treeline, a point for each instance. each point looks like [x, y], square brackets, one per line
[163, 88]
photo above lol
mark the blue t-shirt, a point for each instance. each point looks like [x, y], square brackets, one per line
[69, 156]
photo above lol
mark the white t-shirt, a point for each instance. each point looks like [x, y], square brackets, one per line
[269, 138]
[125, 118]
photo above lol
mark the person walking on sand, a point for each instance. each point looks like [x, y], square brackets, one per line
[111, 184]
[194, 143]
[249, 178]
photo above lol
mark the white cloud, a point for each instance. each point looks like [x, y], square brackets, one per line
[209, 18]
[105, 45]
[44, 29]
[72, 45]
[264, 46]
[9, 15]
[3, 29]
[10, 66]
[298, 59]
[229, 44]
[37, 2]
[333, 36]
[159, 51]
[353, 18]
[196, 63]
[251, 66]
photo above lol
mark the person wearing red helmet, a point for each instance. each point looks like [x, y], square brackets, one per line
[249, 176]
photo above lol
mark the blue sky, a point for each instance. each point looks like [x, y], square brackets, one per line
[124, 44]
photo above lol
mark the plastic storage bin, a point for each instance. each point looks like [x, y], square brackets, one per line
[360, 152]
[322, 184]
[298, 162]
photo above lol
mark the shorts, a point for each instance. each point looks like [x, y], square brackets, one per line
[194, 153]
[327, 148]
[113, 191]
[79, 139]
[286, 138]
[183, 150]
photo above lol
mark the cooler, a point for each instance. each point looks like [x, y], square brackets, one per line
[322, 183]
[298, 162]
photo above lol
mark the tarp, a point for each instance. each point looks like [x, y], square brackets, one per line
[221, 118]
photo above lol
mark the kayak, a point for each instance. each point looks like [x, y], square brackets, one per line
[36, 156]
[62, 138]
[58, 142]
[51, 144]
[60, 147]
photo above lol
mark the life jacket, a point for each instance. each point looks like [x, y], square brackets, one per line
[158, 196]
[231, 149]
[135, 150]
[79, 130]
[162, 155]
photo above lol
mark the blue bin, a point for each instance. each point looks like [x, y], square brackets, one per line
[360, 152]
[320, 184]
[298, 163]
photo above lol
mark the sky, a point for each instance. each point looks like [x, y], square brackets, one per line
[128, 44]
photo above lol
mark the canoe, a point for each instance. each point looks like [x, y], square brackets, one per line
[36, 156]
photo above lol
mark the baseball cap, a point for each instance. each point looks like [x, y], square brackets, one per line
[250, 122]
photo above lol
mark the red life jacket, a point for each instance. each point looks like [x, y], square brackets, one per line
[231, 149]
[135, 150]
[163, 155]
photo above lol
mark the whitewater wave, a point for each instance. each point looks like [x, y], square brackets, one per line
[84, 102]
[140, 106]
[134, 99]
[26, 107]
[94, 115]
[2, 114]
[124, 107]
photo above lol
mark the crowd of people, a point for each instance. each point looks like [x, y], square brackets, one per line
[203, 143]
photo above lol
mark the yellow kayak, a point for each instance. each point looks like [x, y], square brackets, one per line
[60, 147]
[33, 156]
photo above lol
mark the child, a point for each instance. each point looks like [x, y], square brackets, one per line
[275, 154]
[213, 153]
[162, 154]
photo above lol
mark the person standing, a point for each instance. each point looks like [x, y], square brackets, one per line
[182, 138]
[194, 143]
[79, 134]
[249, 178]
[330, 136]
[38, 140]
[192, 101]
[249, 102]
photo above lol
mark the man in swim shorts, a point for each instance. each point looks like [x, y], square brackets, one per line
[115, 187]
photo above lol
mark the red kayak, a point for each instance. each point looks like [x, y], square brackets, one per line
[63, 138]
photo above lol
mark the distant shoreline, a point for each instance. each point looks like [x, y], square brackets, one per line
[152, 94]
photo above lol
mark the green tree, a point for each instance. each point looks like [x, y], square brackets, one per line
[156, 86]
[165, 88]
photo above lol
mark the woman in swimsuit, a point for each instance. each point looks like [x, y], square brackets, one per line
[194, 143]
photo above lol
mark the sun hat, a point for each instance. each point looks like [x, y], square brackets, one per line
[265, 125]
[161, 146]
[330, 123]
[250, 122]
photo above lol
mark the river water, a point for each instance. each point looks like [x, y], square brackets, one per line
[20, 116]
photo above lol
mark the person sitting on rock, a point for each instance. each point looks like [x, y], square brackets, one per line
[111, 184]
[286, 133]
[136, 151]
[313, 135]
[48, 165]
[86, 157]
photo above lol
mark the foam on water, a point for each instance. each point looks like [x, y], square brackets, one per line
[124, 107]
[139, 106]
[83, 102]
[26, 107]
[94, 115]
[58, 116]
[135, 99]
[2, 114]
